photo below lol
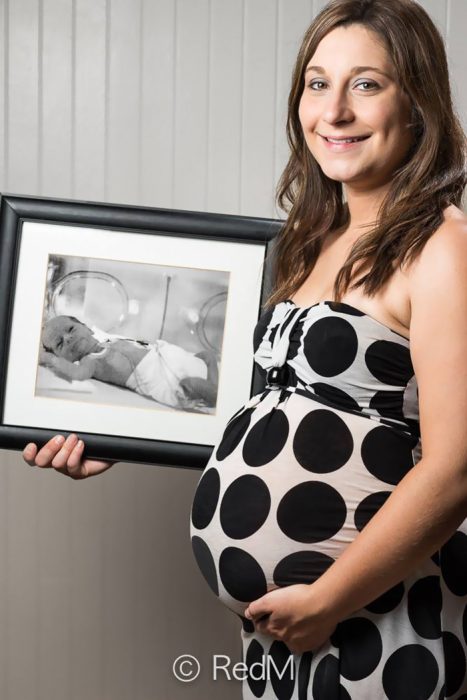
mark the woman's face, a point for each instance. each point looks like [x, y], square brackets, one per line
[343, 97]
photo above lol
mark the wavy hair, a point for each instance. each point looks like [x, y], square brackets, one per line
[431, 177]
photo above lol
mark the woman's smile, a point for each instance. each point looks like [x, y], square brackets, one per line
[343, 144]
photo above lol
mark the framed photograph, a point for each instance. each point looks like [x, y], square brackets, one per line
[130, 326]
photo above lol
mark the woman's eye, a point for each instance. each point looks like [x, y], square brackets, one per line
[316, 82]
[59, 344]
[367, 82]
[371, 83]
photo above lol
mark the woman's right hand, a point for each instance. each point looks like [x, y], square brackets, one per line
[65, 456]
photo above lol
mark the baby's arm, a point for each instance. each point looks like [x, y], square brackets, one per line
[68, 370]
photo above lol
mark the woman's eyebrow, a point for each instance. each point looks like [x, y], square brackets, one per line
[355, 69]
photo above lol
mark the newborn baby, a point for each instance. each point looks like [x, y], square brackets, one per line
[164, 372]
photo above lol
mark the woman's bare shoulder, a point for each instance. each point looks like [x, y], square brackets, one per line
[444, 245]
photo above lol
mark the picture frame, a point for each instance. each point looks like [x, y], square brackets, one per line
[129, 326]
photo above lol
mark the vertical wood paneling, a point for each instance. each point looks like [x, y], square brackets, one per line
[4, 590]
[23, 96]
[4, 455]
[53, 585]
[157, 102]
[89, 99]
[3, 91]
[85, 591]
[259, 107]
[119, 583]
[457, 17]
[291, 28]
[23, 580]
[191, 104]
[225, 106]
[123, 117]
[55, 101]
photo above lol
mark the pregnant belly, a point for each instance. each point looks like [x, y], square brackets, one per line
[276, 505]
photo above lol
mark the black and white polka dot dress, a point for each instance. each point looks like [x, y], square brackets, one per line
[299, 471]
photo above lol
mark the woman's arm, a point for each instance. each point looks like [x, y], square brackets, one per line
[430, 502]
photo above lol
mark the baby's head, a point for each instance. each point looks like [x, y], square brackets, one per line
[67, 337]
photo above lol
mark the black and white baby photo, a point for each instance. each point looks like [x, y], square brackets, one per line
[132, 334]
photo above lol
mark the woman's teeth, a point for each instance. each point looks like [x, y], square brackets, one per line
[358, 138]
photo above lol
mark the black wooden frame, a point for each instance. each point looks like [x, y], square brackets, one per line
[16, 209]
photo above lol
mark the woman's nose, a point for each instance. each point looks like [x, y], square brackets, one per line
[337, 108]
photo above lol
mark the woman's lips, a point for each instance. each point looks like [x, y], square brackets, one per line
[339, 147]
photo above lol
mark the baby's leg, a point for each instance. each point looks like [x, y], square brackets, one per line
[197, 388]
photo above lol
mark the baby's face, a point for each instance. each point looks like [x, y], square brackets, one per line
[68, 338]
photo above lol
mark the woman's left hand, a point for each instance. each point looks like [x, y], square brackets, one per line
[293, 617]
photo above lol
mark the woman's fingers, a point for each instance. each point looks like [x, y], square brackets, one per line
[29, 454]
[46, 454]
[61, 458]
[65, 456]
[74, 464]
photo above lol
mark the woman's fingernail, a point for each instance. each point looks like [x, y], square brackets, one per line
[59, 439]
[80, 444]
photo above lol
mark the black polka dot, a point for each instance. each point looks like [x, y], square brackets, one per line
[336, 396]
[387, 454]
[301, 567]
[244, 506]
[361, 647]
[241, 575]
[266, 438]
[330, 346]
[233, 434]
[410, 667]
[367, 508]
[389, 362]
[282, 660]
[205, 562]
[311, 512]
[388, 404]
[322, 442]
[454, 658]
[326, 685]
[248, 625]
[387, 601]
[256, 676]
[205, 499]
[453, 560]
[304, 675]
[424, 603]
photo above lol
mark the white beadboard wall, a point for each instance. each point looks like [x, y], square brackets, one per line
[170, 103]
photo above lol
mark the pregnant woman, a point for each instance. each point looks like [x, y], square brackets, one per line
[331, 515]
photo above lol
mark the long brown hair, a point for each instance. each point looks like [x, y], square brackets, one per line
[432, 176]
